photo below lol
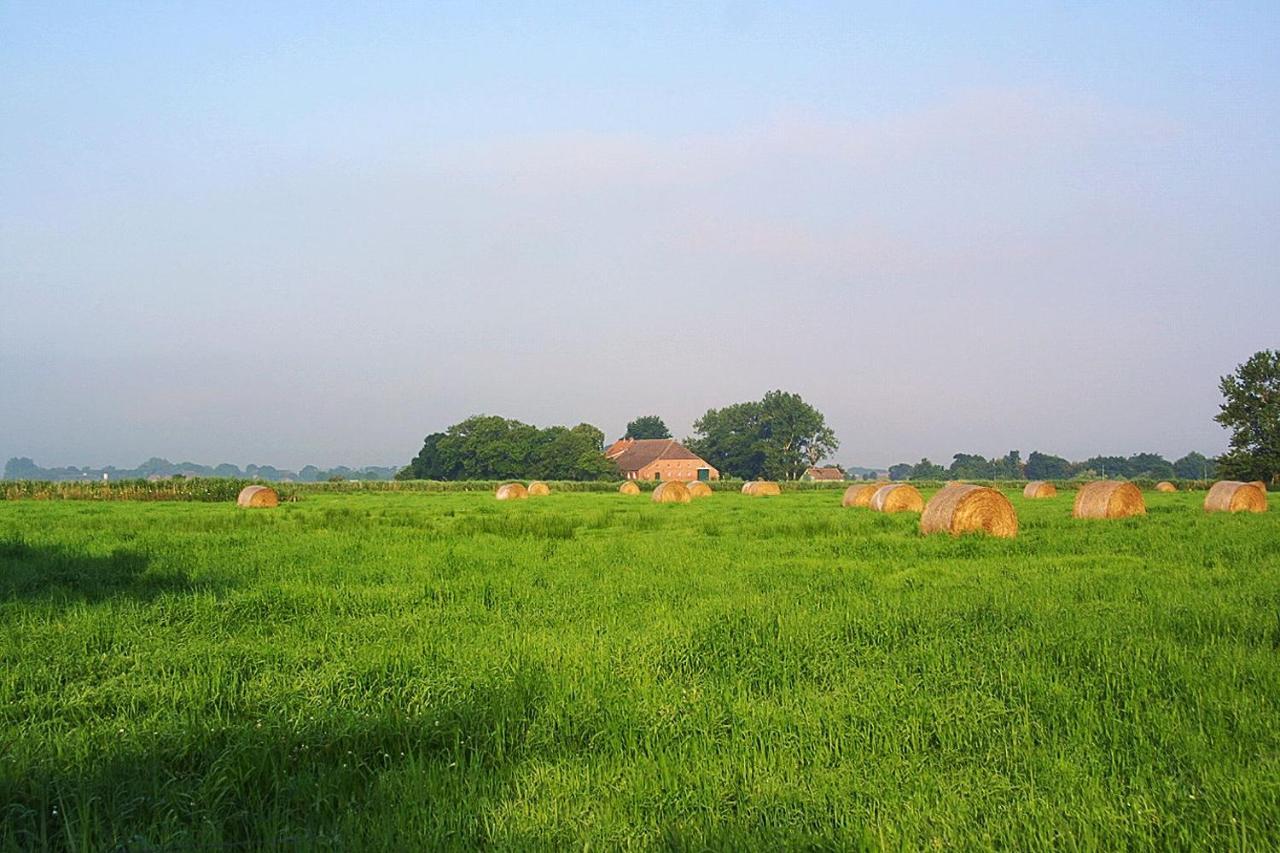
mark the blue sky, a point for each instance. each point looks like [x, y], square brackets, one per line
[312, 234]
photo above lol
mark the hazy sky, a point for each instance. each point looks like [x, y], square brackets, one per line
[315, 233]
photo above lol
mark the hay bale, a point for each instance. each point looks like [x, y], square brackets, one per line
[1039, 489]
[258, 497]
[538, 489]
[511, 492]
[965, 508]
[859, 495]
[698, 489]
[1234, 496]
[761, 489]
[1166, 486]
[629, 488]
[1261, 485]
[1108, 499]
[897, 497]
[672, 492]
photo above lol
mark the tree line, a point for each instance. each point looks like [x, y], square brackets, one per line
[1046, 466]
[777, 437]
[24, 468]
[780, 435]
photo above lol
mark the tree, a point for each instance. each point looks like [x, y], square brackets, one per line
[777, 437]
[1150, 466]
[730, 439]
[968, 466]
[1195, 466]
[428, 464]
[572, 454]
[488, 447]
[1251, 410]
[647, 426]
[1008, 468]
[901, 471]
[1044, 466]
[926, 470]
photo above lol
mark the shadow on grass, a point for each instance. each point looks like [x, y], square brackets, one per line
[381, 777]
[47, 574]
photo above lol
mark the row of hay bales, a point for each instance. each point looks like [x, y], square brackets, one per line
[963, 508]
[673, 491]
[956, 508]
[519, 491]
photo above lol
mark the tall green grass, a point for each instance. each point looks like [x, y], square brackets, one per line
[412, 671]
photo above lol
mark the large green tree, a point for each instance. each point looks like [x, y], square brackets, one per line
[1045, 466]
[777, 437]
[488, 447]
[647, 426]
[1251, 410]
[926, 470]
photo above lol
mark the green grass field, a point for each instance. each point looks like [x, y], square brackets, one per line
[410, 671]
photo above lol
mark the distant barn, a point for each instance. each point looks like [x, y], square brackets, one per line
[828, 474]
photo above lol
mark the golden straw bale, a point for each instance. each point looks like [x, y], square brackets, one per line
[1234, 496]
[698, 489]
[512, 492]
[859, 495]
[1108, 499]
[1166, 486]
[897, 497]
[538, 489]
[1261, 485]
[746, 487]
[672, 492]
[761, 489]
[1040, 489]
[965, 508]
[629, 488]
[258, 497]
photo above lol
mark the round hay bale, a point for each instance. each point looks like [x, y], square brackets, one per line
[258, 497]
[897, 497]
[1166, 486]
[511, 492]
[698, 489]
[538, 489]
[1108, 499]
[966, 508]
[859, 495]
[746, 487]
[1234, 496]
[629, 488]
[762, 489]
[672, 492]
[1040, 489]
[1260, 484]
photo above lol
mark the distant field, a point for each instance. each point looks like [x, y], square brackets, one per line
[411, 670]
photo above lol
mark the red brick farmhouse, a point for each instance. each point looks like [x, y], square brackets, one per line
[658, 459]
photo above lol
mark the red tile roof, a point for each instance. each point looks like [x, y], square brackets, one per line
[828, 473]
[634, 454]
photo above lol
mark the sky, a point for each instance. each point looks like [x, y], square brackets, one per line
[313, 233]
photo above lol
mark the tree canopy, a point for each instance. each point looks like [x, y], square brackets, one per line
[777, 437]
[647, 426]
[488, 447]
[1251, 410]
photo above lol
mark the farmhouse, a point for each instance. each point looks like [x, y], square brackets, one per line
[827, 473]
[658, 459]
